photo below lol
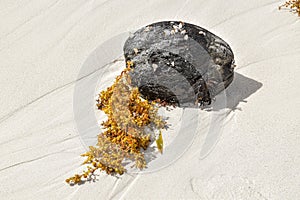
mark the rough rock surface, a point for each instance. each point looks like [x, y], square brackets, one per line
[179, 63]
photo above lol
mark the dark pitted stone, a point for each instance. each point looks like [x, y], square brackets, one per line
[179, 63]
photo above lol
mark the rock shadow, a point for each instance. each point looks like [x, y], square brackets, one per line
[240, 89]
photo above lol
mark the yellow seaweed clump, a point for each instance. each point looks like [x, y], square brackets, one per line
[294, 5]
[131, 123]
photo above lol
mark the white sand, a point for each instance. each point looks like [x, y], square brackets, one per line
[43, 45]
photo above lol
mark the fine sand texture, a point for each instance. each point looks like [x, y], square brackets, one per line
[246, 147]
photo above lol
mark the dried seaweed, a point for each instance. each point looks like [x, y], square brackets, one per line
[293, 5]
[126, 130]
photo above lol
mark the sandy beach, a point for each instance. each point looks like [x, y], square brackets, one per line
[51, 51]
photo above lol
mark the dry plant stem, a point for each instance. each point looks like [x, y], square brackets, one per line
[125, 130]
[293, 5]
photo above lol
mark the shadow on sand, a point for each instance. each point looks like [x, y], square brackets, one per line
[240, 89]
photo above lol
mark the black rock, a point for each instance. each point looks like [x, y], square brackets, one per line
[179, 63]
